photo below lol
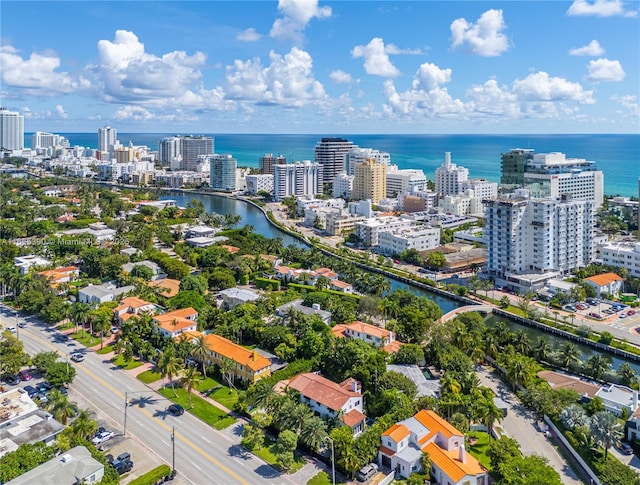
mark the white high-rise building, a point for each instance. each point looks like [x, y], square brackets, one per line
[44, 140]
[223, 172]
[262, 182]
[169, 150]
[406, 180]
[528, 235]
[343, 185]
[11, 130]
[420, 238]
[330, 154]
[449, 177]
[107, 138]
[358, 155]
[192, 148]
[553, 174]
[623, 255]
[300, 178]
[483, 189]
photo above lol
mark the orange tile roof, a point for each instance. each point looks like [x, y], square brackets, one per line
[397, 432]
[180, 313]
[338, 330]
[168, 284]
[175, 324]
[434, 423]
[449, 462]
[341, 284]
[67, 269]
[132, 302]
[322, 390]
[353, 417]
[237, 353]
[604, 279]
[392, 347]
[231, 249]
[387, 451]
[362, 327]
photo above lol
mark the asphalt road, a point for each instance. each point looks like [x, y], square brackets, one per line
[203, 455]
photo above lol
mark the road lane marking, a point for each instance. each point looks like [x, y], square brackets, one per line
[205, 439]
[168, 428]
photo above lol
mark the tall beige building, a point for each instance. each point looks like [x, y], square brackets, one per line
[370, 181]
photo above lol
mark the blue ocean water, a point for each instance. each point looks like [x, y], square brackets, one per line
[618, 156]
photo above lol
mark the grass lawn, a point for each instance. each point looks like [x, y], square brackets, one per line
[105, 350]
[87, 341]
[266, 453]
[152, 476]
[479, 449]
[202, 409]
[149, 376]
[224, 395]
[324, 478]
[66, 326]
[120, 362]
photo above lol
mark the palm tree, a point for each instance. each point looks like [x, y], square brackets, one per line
[627, 375]
[313, 433]
[542, 350]
[200, 351]
[491, 345]
[606, 430]
[191, 378]
[298, 418]
[60, 407]
[449, 384]
[598, 365]
[569, 353]
[489, 413]
[227, 369]
[83, 426]
[521, 342]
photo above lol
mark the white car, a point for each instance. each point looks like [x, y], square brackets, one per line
[77, 357]
[102, 437]
[12, 329]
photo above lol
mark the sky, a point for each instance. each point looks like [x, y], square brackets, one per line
[328, 67]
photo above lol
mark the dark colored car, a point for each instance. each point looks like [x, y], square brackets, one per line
[43, 386]
[626, 448]
[124, 456]
[25, 375]
[122, 466]
[31, 391]
[11, 380]
[176, 410]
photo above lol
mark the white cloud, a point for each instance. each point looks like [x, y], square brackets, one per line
[376, 60]
[36, 75]
[484, 38]
[542, 87]
[592, 49]
[340, 77]
[61, 112]
[296, 14]
[133, 113]
[249, 35]
[288, 80]
[629, 103]
[395, 50]
[128, 74]
[605, 70]
[492, 99]
[429, 76]
[600, 8]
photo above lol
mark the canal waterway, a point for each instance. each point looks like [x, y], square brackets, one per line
[255, 217]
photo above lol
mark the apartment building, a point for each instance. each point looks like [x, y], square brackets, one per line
[267, 162]
[300, 178]
[623, 255]
[343, 185]
[537, 236]
[370, 181]
[359, 155]
[369, 230]
[450, 177]
[192, 148]
[259, 183]
[222, 172]
[420, 238]
[513, 164]
[404, 181]
[330, 154]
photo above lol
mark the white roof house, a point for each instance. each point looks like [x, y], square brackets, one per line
[232, 297]
[102, 293]
[25, 263]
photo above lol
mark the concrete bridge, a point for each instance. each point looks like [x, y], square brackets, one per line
[484, 309]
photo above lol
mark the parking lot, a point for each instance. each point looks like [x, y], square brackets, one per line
[599, 310]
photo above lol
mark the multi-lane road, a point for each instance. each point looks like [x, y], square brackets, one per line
[203, 455]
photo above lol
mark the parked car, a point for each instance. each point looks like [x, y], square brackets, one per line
[176, 410]
[626, 448]
[367, 471]
[43, 387]
[122, 467]
[124, 456]
[12, 380]
[595, 315]
[25, 375]
[31, 391]
[102, 437]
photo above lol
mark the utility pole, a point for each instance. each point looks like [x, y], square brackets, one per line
[333, 461]
[126, 404]
[173, 451]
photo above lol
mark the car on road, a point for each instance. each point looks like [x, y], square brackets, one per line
[102, 437]
[176, 410]
[631, 312]
[22, 325]
[25, 375]
[367, 471]
[12, 329]
[77, 357]
[626, 448]
[623, 315]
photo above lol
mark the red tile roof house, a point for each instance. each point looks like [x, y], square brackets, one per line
[329, 399]
[132, 306]
[380, 337]
[403, 445]
[172, 324]
[607, 283]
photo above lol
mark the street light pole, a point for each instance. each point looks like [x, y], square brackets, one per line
[333, 461]
[126, 405]
[173, 451]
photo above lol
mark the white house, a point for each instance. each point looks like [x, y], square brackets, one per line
[102, 293]
[329, 399]
[403, 445]
[25, 263]
[155, 269]
[232, 297]
[175, 323]
[606, 284]
[379, 337]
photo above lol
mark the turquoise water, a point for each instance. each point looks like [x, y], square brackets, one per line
[618, 156]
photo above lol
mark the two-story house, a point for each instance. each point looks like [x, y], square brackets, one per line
[250, 365]
[130, 307]
[175, 323]
[403, 445]
[331, 400]
[379, 337]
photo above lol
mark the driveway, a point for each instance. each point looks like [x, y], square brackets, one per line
[520, 424]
